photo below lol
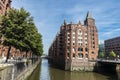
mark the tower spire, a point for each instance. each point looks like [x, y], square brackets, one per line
[89, 15]
[89, 19]
[65, 23]
[79, 22]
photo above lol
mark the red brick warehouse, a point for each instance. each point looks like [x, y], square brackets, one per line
[75, 43]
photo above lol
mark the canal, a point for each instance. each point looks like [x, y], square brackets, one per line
[46, 72]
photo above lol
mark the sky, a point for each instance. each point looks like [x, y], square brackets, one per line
[49, 15]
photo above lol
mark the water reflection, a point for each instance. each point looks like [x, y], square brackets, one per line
[45, 70]
[56, 74]
[48, 72]
[36, 74]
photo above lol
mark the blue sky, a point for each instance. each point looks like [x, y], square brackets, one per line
[50, 14]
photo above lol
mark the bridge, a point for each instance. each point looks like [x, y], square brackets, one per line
[115, 61]
[44, 56]
[108, 64]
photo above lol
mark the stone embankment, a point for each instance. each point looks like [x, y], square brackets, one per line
[19, 70]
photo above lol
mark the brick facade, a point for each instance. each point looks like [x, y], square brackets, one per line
[14, 53]
[75, 43]
[5, 5]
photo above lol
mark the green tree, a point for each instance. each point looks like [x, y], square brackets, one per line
[112, 54]
[20, 32]
[102, 55]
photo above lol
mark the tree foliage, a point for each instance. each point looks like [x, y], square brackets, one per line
[112, 54]
[102, 55]
[20, 31]
[101, 47]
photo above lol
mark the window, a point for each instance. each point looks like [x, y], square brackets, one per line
[78, 39]
[69, 35]
[68, 39]
[80, 49]
[68, 50]
[73, 43]
[68, 32]
[92, 52]
[0, 7]
[68, 55]
[68, 44]
[79, 31]
[86, 49]
[85, 41]
[86, 55]
[4, 1]
[73, 54]
[79, 44]
[80, 55]
[92, 30]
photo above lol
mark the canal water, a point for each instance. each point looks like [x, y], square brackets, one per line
[46, 72]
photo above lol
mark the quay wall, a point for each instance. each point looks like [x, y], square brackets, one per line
[75, 65]
[6, 72]
[19, 70]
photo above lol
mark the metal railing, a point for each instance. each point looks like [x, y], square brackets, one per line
[109, 60]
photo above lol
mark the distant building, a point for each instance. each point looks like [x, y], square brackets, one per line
[75, 45]
[112, 44]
